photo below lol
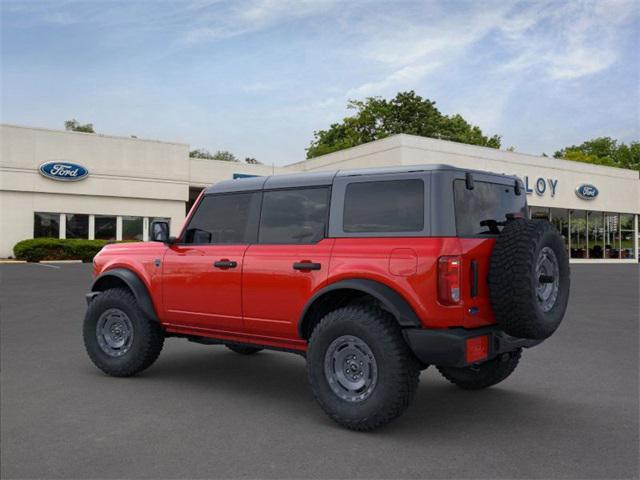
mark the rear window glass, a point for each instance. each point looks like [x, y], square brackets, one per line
[384, 206]
[482, 210]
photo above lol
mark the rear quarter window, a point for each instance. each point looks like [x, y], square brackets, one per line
[480, 211]
[384, 206]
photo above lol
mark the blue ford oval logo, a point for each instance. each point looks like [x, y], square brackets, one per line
[64, 171]
[586, 191]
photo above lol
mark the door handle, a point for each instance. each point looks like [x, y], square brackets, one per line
[306, 266]
[225, 264]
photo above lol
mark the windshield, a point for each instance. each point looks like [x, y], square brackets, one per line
[483, 210]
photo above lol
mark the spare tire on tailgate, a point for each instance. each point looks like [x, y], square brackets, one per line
[529, 278]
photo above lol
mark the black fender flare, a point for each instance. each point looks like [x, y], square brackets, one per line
[135, 284]
[391, 300]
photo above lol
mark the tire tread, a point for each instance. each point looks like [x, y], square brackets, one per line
[150, 333]
[405, 367]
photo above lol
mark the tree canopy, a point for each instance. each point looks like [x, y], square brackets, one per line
[223, 155]
[377, 118]
[604, 151]
[74, 126]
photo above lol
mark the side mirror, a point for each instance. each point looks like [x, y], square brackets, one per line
[159, 231]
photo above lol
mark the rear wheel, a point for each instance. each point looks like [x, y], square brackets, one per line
[242, 349]
[360, 368]
[484, 375]
[120, 340]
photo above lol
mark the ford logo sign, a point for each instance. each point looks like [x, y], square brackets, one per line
[63, 171]
[586, 191]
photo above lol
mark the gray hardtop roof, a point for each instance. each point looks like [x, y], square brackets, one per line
[325, 178]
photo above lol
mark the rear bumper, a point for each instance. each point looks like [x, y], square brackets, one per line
[448, 347]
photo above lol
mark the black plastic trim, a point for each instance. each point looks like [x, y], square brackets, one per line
[391, 300]
[137, 287]
[446, 348]
[474, 278]
[307, 266]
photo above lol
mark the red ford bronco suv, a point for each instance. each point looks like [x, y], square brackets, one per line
[371, 274]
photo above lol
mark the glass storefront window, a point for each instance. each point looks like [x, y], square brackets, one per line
[77, 226]
[132, 228]
[105, 227]
[560, 220]
[591, 234]
[541, 213]
[611, 235]
[578, 225]
[46, 225]
[626, 236]
[595, 225]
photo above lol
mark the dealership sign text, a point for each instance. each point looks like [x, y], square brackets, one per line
[541, 185]
[63, 171]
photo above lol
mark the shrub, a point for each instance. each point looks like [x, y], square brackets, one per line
[36, 249]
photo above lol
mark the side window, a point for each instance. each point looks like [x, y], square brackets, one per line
[384, 206]
[295, 216]
[224, 219]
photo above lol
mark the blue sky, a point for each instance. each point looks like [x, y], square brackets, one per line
[258, 77]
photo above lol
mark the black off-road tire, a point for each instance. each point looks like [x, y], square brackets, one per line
[513, 281]
[242, 349]
[397, 369]
[146, 343]
[484, 375]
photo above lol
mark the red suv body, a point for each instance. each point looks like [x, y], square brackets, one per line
[262, 298]
[261, 262]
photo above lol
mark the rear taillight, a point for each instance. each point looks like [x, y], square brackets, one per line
[449, 280]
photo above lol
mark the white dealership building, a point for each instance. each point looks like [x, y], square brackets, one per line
[78, 185]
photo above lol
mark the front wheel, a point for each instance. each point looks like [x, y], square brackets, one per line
[360, 369]
[120, 340]
[484, 375]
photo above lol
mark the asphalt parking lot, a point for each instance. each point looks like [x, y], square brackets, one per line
[569, 411]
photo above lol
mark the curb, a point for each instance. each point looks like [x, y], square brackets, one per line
[60, 261]
[7, 261]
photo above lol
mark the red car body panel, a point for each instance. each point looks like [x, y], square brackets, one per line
[196, 293]
[478, 249]
[385, 260]
[274, 293]
[261, 300]
[138, 257]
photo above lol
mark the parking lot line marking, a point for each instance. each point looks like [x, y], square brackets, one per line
[47, 265]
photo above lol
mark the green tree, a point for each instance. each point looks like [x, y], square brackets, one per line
[219, 155]
[201, 153]
[225, 156]
[377, 118]
[604, 151]
[74, 126]
[252, 161]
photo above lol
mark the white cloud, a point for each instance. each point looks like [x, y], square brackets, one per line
[565, 41]
[250, 16]
[405, 77]
[403, 39]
